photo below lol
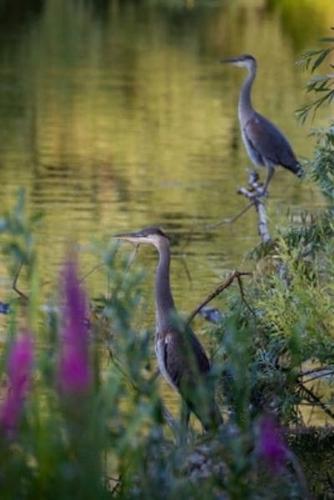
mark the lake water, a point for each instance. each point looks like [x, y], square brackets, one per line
[117, 115]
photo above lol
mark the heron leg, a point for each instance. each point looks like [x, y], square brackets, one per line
[270, 174]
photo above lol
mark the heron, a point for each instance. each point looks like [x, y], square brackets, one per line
[181, 358]
[265, 144]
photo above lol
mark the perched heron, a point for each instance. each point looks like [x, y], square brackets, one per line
[181, 358]
[264, 142]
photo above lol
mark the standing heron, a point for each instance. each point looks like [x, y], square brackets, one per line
[264, 142]
[181, 358]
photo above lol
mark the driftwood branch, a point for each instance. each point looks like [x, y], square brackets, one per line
[219, 289]
[254, 193]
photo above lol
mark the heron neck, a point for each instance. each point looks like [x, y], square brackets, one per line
[245, 101]
[164, 299]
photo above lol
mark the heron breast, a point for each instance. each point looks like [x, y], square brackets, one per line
[253, 154]
[160, 354]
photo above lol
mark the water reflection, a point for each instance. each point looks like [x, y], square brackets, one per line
[15, 16]
[116, 115]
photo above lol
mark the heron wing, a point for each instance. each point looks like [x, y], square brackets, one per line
[186, 364]
[172, 361]
[200, 357]
[269, 142]
[184, 358]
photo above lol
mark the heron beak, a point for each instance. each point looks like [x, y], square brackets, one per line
[133, 238]
[230, 60]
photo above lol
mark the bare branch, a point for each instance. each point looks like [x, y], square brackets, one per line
[313, 398]
[242, 294]
[316, 377]
[219, 289]
[317, 369]
[232, 219]
[255, 193]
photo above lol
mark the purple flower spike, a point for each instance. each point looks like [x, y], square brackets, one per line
[271, 446]
[19, 374]
[74, 374]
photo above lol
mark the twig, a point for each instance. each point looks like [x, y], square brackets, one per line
[14, 286]
[320, 375]
[232, 219]
[313, 407]
[132, 258]
[91, 271]
[312, 404]
[311, 371]
[186, 269]
[188, 239]
[117, 485]
[220, 288]
[315, 399]
[121, 371]
[317, 369]
[242, 294]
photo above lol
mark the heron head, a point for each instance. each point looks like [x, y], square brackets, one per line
[150, 235]
[243, 61]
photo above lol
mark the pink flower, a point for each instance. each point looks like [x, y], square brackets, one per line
[19, 368]
[74, 374]
[271, 446]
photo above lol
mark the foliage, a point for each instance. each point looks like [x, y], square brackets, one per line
[289, 312]
[320, 84]
[292, 295]
[91, 421]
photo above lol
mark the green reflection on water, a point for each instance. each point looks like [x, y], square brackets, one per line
[116, 115]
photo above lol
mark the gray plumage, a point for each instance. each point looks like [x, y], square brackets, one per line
[181, 358]
[265, 143]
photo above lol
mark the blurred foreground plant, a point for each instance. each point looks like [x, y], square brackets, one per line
[93, 423]
[74, 371]
[19, 377]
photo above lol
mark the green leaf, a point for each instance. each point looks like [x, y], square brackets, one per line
[322, 56]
